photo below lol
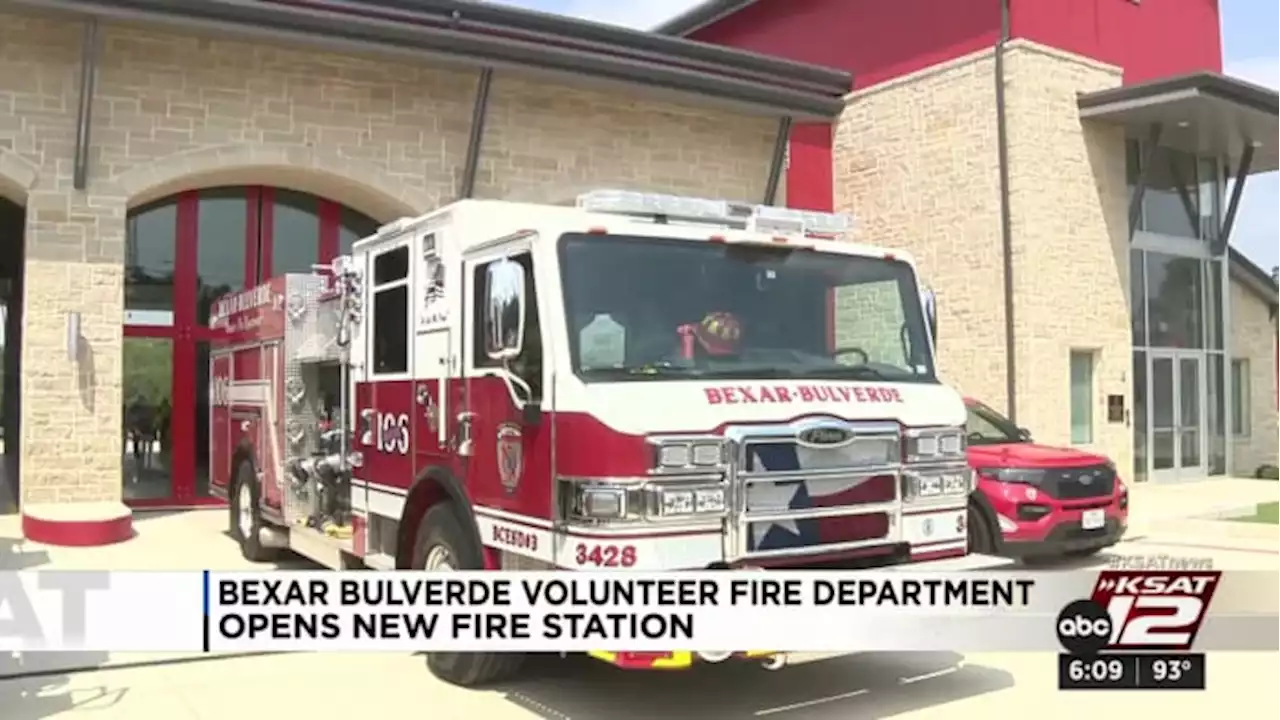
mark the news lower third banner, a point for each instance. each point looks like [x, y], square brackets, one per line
[794, 611]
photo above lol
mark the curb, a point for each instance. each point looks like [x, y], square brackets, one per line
[1229, 513]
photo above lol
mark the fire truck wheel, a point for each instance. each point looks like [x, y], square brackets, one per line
[443, 545]
[982, 539]
[246, 517]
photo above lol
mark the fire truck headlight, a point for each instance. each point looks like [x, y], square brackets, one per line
[602, 503]
[690, 501]
[936, 485]
[674, 456]
[934, 445]
[687, 453]
[956, 483]
[708, 454]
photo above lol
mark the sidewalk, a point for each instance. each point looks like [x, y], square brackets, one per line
[165, 540]
[1154, 505]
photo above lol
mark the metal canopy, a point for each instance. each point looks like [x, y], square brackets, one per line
[1203, 113]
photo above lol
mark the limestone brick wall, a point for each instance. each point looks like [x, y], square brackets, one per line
[916, 160]
[916, 163]
[1069, 212]
[175, 112]
[1253, 338]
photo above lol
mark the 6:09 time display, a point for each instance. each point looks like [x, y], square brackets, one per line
[1096, 673]
[1132, 671]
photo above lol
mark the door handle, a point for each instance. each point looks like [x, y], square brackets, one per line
[466, 445]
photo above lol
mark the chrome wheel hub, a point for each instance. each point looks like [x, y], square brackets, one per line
[439, 558]
[244, 506]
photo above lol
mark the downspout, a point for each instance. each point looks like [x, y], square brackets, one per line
[1006, 224]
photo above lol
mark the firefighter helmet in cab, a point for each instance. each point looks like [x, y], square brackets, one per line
[718, 334]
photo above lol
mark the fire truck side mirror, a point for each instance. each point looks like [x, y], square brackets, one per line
[504, 310]
[930, 300]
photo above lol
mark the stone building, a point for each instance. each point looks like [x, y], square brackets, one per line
[1061, 173]
[156, 156]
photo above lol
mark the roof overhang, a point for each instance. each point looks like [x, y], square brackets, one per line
[1255, 279]
[482, 34]
[700, 16]
[1205, 113]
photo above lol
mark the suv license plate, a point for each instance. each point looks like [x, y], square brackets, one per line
[1093, 519]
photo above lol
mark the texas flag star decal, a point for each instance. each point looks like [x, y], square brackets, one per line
[811, 494]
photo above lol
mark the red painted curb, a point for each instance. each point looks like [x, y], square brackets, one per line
[78, 533]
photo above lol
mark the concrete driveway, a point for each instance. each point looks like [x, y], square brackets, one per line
[873, 685]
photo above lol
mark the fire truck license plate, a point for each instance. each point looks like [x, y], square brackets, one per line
[1093, 519]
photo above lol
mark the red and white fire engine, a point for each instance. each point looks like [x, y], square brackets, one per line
[635, 381]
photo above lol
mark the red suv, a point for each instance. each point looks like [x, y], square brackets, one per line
[1037, 502]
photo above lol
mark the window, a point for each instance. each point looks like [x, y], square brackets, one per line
[640, 308]
[1240, 405]
[529, 364]
[391, 311]
[985, 426]
[295, 232]
[1081, 397]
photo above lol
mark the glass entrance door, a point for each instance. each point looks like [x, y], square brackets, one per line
[1177, 415]
[182, 253]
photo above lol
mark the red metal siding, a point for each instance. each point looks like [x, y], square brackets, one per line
[809, 169]
[878, 40]
[874, 39]
[1150, 39]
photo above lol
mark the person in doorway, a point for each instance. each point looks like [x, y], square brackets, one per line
[164, 414]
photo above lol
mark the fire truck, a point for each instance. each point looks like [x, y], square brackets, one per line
[628, 381]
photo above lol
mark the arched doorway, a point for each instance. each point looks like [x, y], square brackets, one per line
[183, 252]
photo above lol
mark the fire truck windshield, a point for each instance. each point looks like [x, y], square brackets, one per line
[645, 308]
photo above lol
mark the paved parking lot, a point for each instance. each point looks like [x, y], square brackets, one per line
[873, 685]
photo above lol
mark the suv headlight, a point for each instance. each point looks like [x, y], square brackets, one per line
[1020, 476]
[949, 484]
[933, 445]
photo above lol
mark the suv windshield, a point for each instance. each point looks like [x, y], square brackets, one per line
[988, 427]
[644, 307]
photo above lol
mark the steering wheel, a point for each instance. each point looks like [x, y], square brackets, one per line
[864, 358]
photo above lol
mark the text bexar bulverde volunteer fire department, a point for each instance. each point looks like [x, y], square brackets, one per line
[592, 592]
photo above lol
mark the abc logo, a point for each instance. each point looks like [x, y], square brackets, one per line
[1084, 628]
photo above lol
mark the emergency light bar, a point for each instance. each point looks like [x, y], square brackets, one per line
[761, 218]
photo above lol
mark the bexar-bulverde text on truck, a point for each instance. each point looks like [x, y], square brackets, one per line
[635, 382]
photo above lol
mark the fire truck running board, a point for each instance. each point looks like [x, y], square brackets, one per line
[380, 561]
[272, 537]
[972, 561]
[330, 552]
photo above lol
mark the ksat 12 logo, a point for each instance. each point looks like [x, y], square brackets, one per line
[1138, 610]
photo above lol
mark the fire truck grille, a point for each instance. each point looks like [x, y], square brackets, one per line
[798, 499]
[1080, 483]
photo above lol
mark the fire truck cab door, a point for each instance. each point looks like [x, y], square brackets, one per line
[383, 403]
[501, 438]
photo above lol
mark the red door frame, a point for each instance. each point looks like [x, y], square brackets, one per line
[185, 334]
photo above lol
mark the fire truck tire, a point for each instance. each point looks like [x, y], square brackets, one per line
[441, 535]
[982, 538]
[246, 488]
